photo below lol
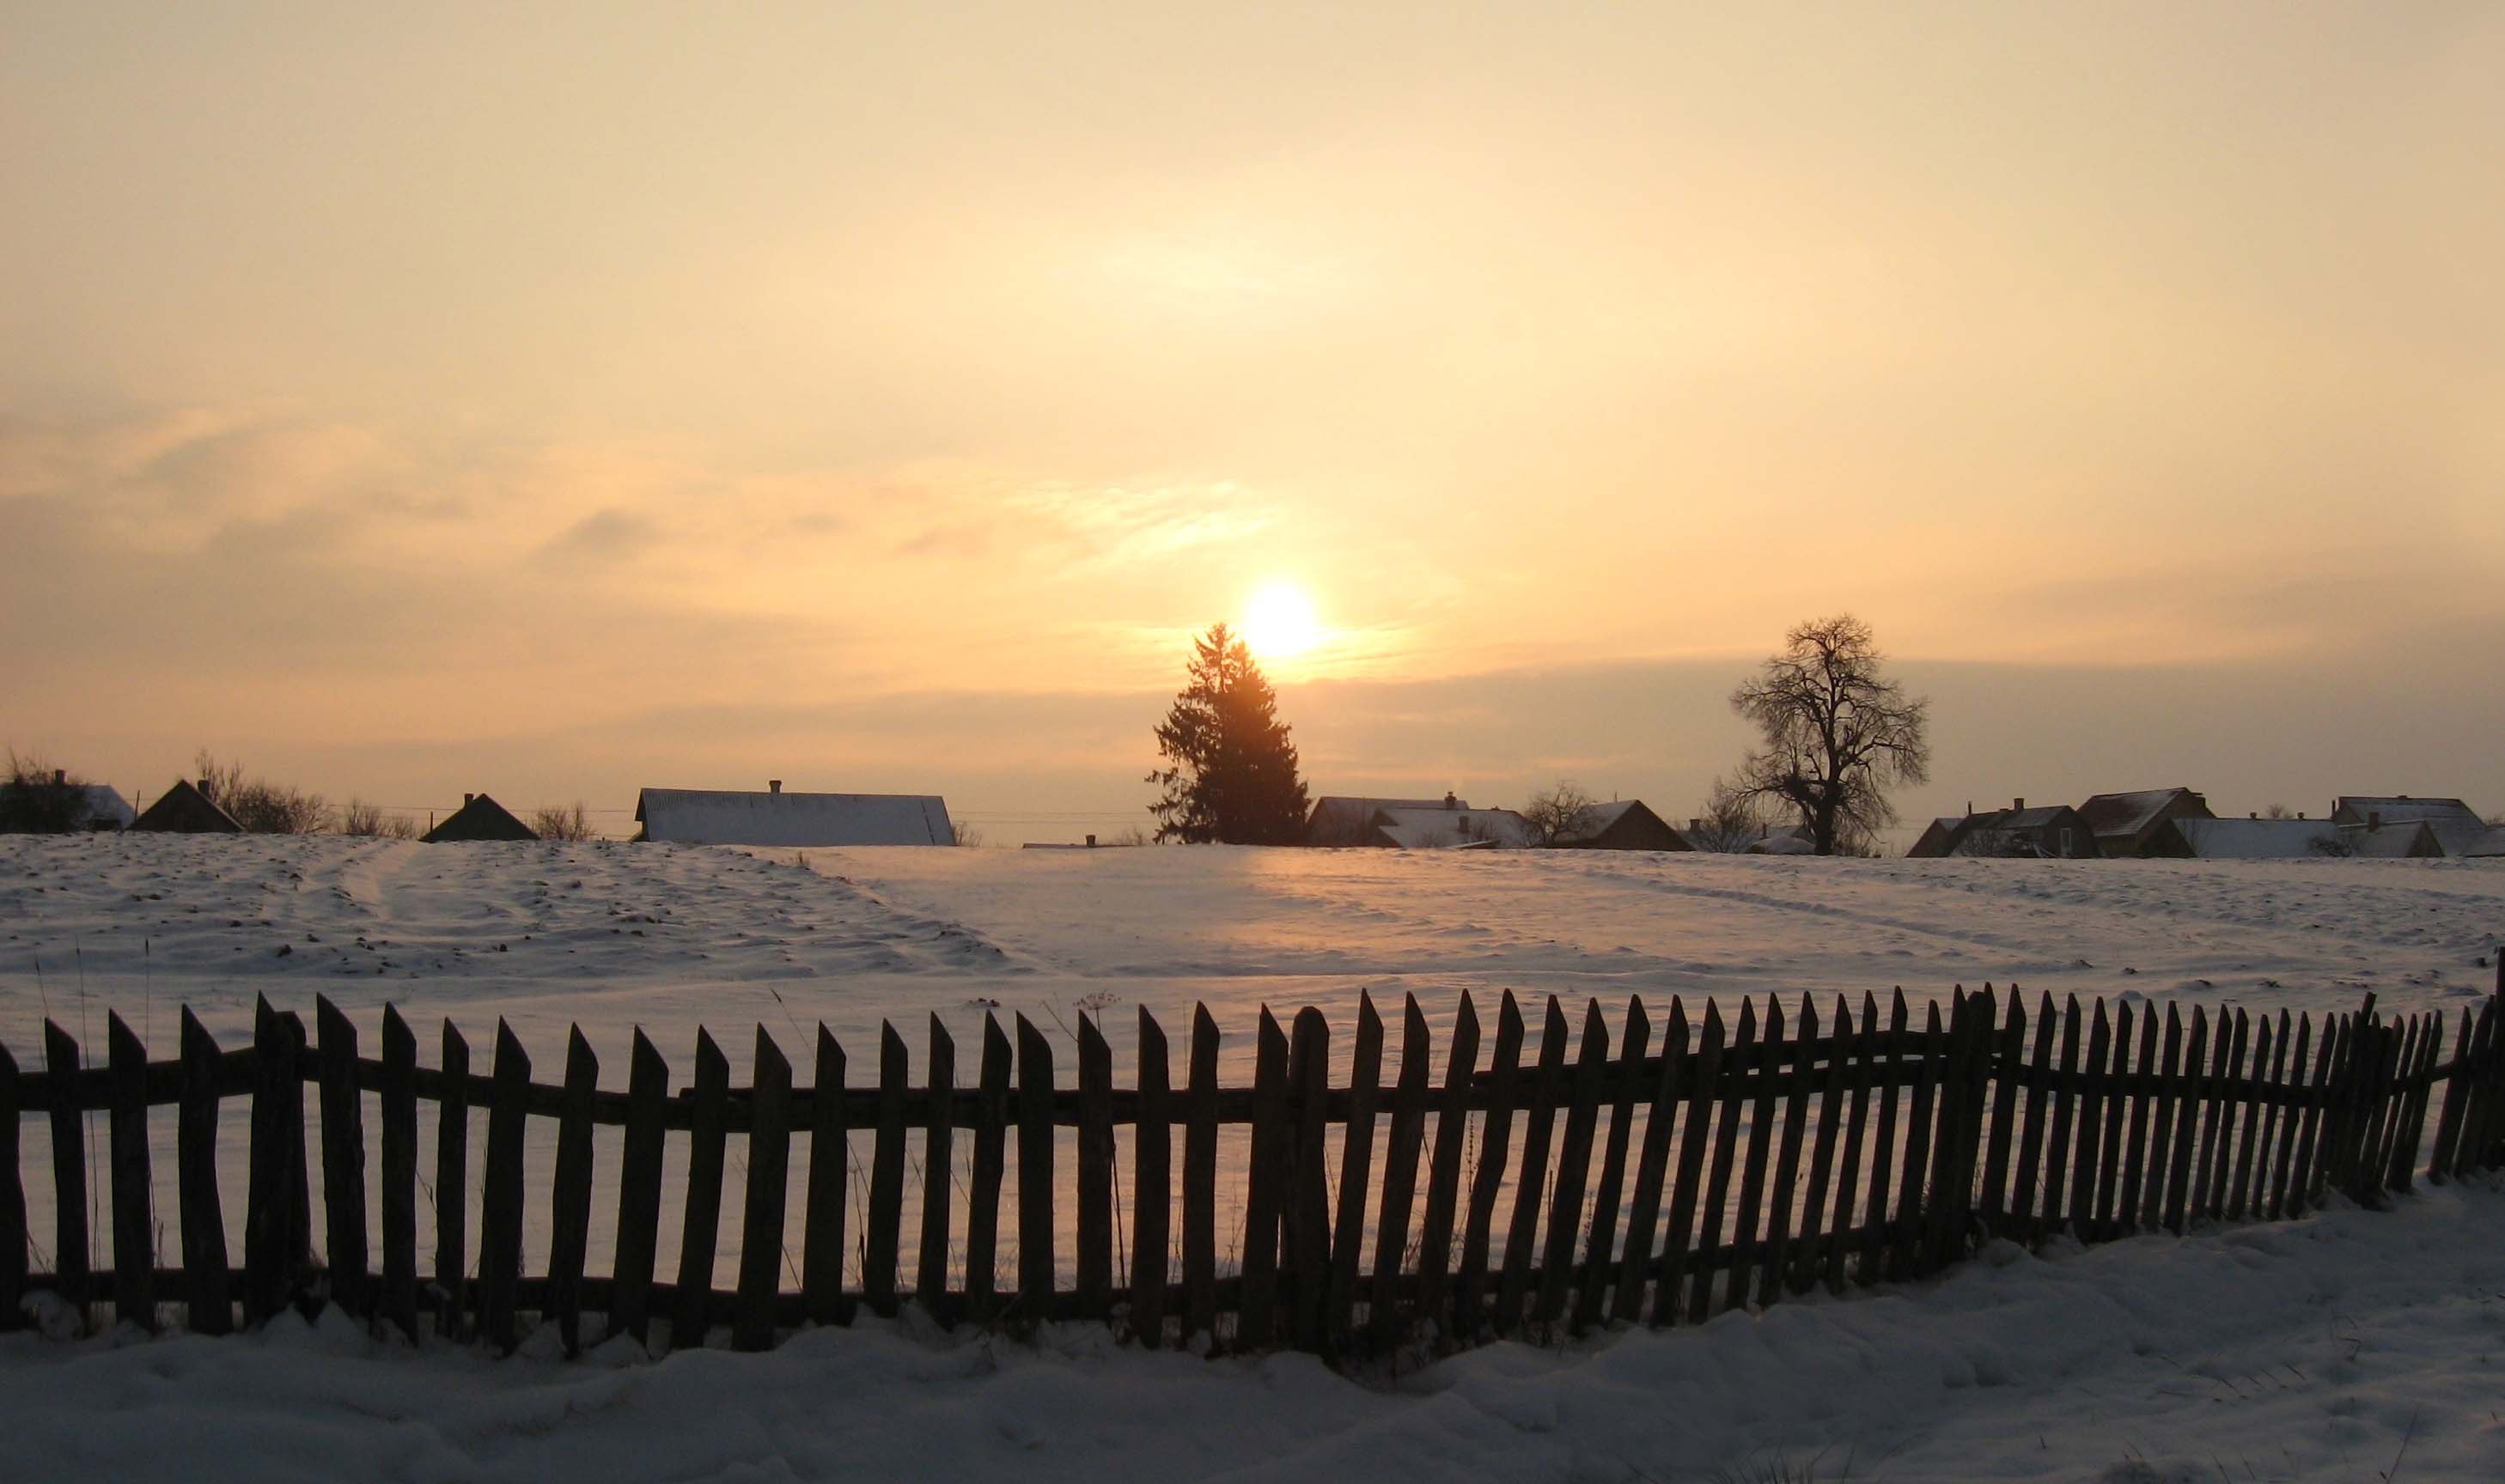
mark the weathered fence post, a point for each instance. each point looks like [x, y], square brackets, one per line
[991, 1165]
[570, 1192]
[1306, 1206]
[1200, 1182]
[822, 1244]
[708, 1137]
[639, 1190]
[13, 1201]
[1035, 1175]
[451, 1182]
[134, 1245]
[769, 1162]
[69, 1170]
[1444, 1172]
[1151, 1195]
[1629, 1084]
[500, 1205]
[400, 1172]
[1095, 1287]
[938, 1168]
[1258, 1312]
[1495, 1141]
[1355, 1176]
[343, 1158]
[1652, 1165]
[884, 1237]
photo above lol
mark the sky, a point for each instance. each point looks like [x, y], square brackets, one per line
[557, 400]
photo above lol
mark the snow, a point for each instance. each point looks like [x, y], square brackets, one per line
[2348, 1346]
[2299, 1351]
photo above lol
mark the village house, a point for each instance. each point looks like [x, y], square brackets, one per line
[1621, 824]
[185, 809]
[2048, 832]
[2125, 823]
[479, 817]
[1347, 819]
[2458, 828]
[2258, 838]
[734, 818]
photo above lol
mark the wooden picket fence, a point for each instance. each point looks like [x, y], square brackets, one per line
[1882, 1147]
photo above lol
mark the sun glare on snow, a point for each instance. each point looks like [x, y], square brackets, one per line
[1278, 622]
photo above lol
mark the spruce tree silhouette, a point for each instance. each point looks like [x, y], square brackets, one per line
[1230, 775]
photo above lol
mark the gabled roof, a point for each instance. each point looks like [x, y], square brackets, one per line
[2129, 813]
[2459, 829]
[183, 809]
[2259, 839]
[479, 817]
[1348, 819]
[1445, 829]
[737, 817]
[1596, 820]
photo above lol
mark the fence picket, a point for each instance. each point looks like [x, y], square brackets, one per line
[1696, 1130]
[2025, 1222]
[1035, 1174]
[1574, 1169]
[2010, 1042]
[12, 1203]
[639, 1191]
[1095, 1172]
[2326, 1060]
[939, 1167]
[1152, 1197]
[1200, 1182]
[1816, 1225]
[2283, 1200]
[1305, 1252]
[208, 1310]
[2225, 1091]
[983, 1194]
[1767, 1065]
[570, 1193]
[1355, 1174]
[2082, 1219]
[1848, 1187]
[343, 1157]
[1495, 1138]
[451, 1187]
[2240, 1183]
[69, 1174]
[709, 1118]
[1883, 1155]
[1599, 1244]
[2273, 1093]
[760, 1227]
[1652, 1165]
[884, 1233]
[1914, 1188]
[1737, 1061]
[1400, 1177]
[2114, 1114]
[1258, 1312]
[1531, 1186]
[399, 1103]
[1774, 1273]
[2161, 1133]
[1444, 1170]
[134, 1250]
[2057, 1147]
[2187, 1121]
[2448, 1121]
[500, 1205]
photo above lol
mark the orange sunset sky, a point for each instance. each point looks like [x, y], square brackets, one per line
[557, 400]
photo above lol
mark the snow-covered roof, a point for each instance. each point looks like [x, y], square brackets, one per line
[1794, 841]
[1595, 818]
[1439, 828]
[101, 807]
[1346, 819]
[2127, 814]
[732, 818]
[2258, 838]
[2401, 807]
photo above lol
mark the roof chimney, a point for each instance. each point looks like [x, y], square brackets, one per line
[1695, 824]
[2018, 806]
[1091, 842]
[1451, 801]
[2253, 814]
[60, 778]
[204, 786]
[774, 785]
[465, 799]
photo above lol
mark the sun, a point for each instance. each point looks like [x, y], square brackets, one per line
[1278, 622]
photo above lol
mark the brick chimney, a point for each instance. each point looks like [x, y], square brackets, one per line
[1450, 802]
[2017, 806]
[466, 797]
[774, 785]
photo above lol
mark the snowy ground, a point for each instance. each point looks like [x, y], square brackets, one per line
[2307, 1351]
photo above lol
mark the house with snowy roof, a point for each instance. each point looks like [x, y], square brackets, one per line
[2258, 838]
[1621, 824]
[2457, 827]
[185, 809]
[2125, 823]
[77, 808]
[2045, 832]
[717, 817]
[1349, 819]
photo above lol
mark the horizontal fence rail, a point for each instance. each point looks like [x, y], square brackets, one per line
[1688, 1168]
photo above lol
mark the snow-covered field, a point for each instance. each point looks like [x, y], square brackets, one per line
[2326, 1349]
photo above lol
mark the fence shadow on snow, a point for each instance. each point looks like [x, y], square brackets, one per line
[1864, 1149]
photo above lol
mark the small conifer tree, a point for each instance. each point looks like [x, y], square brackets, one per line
[1230, 770]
